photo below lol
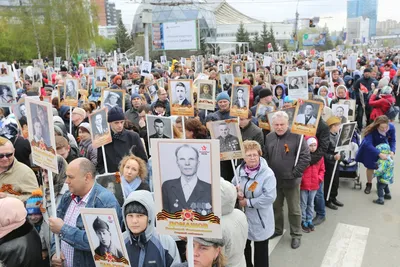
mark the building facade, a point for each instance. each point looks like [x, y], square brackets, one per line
[358, 30]
[107, 14]
[364, 8]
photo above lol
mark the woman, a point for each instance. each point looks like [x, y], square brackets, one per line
[85, 147]
[117, 82]
[5, 94]
[194, 129]
[280, 91]
[207, 252]
[133, 174]
[257, 193]
[383, 103]
[379, 132]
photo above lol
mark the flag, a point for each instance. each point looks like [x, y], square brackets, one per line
[363, 89]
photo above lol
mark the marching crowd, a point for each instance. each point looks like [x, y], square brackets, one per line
[278, 165]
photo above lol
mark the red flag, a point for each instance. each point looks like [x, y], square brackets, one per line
[363, 89]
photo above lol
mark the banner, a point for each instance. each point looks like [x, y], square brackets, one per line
[178, 35]
[314, 39]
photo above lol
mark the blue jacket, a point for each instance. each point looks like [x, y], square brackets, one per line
[260, 191]
[368, 154]
[76, 236]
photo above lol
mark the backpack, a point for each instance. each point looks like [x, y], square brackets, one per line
[391, 113]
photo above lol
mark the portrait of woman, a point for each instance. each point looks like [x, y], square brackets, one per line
[6, 94]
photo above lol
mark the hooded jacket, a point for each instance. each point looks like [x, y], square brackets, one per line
[313, 175]
[234, 226]
[281, 85]
[327, 99]
[259, 188]
[149, 249]
[337, 98]
[63, 111]
[380, 106]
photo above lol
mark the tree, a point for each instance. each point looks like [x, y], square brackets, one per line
[242, 35]
[285, 46]
[124, 40]
[264, 38]
[257, 43]
[272, 38]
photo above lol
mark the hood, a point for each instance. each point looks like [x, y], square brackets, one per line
[319, 90]
[228, 197]
[61, 129]
[347, 79]
[383, 148]
[283, 86]
[146, 199]
[63, 111]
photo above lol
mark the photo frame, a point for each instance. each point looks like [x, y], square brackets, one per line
[306, 117]
[330, 62]
[240, 101]
[98, 88]
[112, 182]
[206, 94]
[99, 128]
[71, 92]
[298, 84]
[289, 111]
[227, 80]
[100, 74]
[251, 67]
[262, 115]
[346, 133]
[145, 68]
[181, 94]
[341, 111]
[112, 98]
[237, 71]
[352, 108]
[8, 93]
[159, 127]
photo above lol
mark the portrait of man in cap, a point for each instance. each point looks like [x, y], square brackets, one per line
[106, 246]
[112, 99]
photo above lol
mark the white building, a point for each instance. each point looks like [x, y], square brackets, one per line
[108, 32]
[357, 30]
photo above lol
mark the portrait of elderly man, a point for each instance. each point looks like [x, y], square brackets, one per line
[307, 117]
[227, 141]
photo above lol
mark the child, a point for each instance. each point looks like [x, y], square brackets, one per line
[330, 158]
[384, 174]
[313, 176]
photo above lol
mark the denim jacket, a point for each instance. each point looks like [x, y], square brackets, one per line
[76, 236]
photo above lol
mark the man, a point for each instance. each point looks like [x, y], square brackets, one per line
[187, 191]
[362, 89]
[220, 67]
[250, 131]
[159, 128]
[345, 137]
[163, 98]
[237, 71]
[38, 133]
[351, 111]
[106, 245]
[250, 67]
[307, 118]
[227, 141]
[16, 179]
[336, 78]
[227, 85]
[64, 149]
[99, 126]
[294, 83]
[288, 174]
[278, 70]
[41, 112]
[180, 91]
[78, 116]
[123, 143]
[339, 112]
[132, 114]
[329, 61]
[83, 192]
[266, 99]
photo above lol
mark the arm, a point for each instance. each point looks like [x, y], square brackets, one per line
[321, 172]
[100, 162]
[172, 256]
[260, 139]
[93, 155]
[268, 195]
[392, 138]
[138, 149]
[28, 183]
[376, 103]
[304, 160]
[323, 142]
[75, 237]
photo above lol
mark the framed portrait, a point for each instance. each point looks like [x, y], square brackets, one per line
[57, 63]
[152, 91]
[262, 115]
[240, 101]
[100, 129]
[41, 134]
[112, 182]
[135, 89]
[178, 163]
[71, 92]
[159, 127]
[84, 82]
[237, 71]
[221, 67]
[278, 70]
[341, 111]
[188, 63]
[298, 84]
[351, 114]
[163, 60]
[227, 81]
[267, 60]
[37, 77]
[101, 74]
[112, 98]
[106, 242]
[330, 61]
[251, 67]
[98, 88]
[206, 94]
[19, 109]
[229, 136]
[307, 115]
[198, 67]
[183, 61]
[4, 69]
[8, 93]
[181, 93]
[345, 136]
[160, 83]
[38, 63]
[89, 71]
[145, 68]
[138, 60]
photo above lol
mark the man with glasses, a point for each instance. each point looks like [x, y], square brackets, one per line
[16, 179]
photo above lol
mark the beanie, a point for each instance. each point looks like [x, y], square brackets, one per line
[264, 93]
[311, 140]
[79, 111]
[135, 95]
[13, 215]
[116, 114]
[223, 96]
[333, 120]
[135, 207]
[34, 202]
[85, 126]
[99, 224]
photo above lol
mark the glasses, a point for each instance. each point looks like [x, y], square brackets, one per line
[252, 156]
[7, 155]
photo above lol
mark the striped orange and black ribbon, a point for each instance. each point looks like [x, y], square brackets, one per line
[123, 260]
[163, 215]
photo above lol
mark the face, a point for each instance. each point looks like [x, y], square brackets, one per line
[367, 75]
[159, 127]
[252, 158]
[70, 86]
[312, 147]
[335, 128]
[159, 110]
[204, 256]
[34, 218]
[329, 58]
[163, 95]
[38, 129]
[41, 114]
[244, 122]
[223, 104]
[76, 181]
[104, 237]
[6, 150]
[335, 75]
[98, 120]
[237, 69]
[117, 126]
[323, 92]
[137, 223]
[63, 152]
[113, 99]
[383, 127]
[179, 127]
[180, 92]
[136, 102]
[76, 117]
[188, 134]
[341, 93]
[308, 110]
[280, 125]
[240, 94]
[223, 130]
[187, 161]
[278, 91]
[346, 131]
[294, 81]
[339, 112]
[111, 187]
[131, 170]
[83, 135]
[206, 89]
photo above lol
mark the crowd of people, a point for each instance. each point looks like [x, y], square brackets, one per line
[277, 163]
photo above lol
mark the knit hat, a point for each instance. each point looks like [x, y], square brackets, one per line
[387, 90]
[99, 224]
[13, 215]
[264, 93]
[135, 95]
[383, 82]
[79, 111]
[209, 241]
[312, 140]
[223, 96]
[333, 120]
[116, 114]
[85, 125]
[34, 202]
[135, 207]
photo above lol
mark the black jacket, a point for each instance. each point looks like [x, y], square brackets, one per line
[22, 247]
[323, 141]
[22, 150]
[252, 132]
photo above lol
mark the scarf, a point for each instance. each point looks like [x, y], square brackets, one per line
[116, 135]
[249, 171]
[130, 187]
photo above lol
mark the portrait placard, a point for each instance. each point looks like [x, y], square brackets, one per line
[37, 78]
[41, 134]
[221, 67]
[341, 111]
[8, 93]
[237, 71]
[106, 242]
[181, 93]
[298, 84]
[183, 211]
[206, 94]
[145, 68]
[71, 92]
[262, 115]
[113, 98]
[345, 135]
[307, 115]
[38, 63]
[112, 182]
[160, 83]
[251, 67]
[159, 127]
[278, 70]
[351, 114]
[240, 101]
[101, 74]
[100, 129]
[57, 64]
[227, 81]
[229, 136]
[198, 67]
[97, 89]
[330, 61]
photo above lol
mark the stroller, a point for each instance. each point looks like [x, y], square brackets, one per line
[348, 167]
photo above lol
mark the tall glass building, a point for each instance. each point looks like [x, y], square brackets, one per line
[364, 8]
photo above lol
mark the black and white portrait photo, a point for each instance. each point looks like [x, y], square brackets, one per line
[297, 82]
[40, 124]
[8, 93]
[112, 98]
[181, 92]
[227, 136]
[198, 67]
[250, 67]
[307, 114]
[159, 127]
[37, 75]
[101, 74]
[163, 60]
[262, 115]
[278, 70]
[100, 129]
[221, 67]
[19, 110]
[341, 111]
[145, 68]
[345, 136]
[71, 89]
[227, 81]
[307, 117]
[206, 90]
[240, 96]
[138, 60]
[237, 71]
[3, 69]
[352, 107]
[330, 60]
[183, 61]
[109, 182]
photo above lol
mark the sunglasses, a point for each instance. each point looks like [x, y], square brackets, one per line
[7, 155]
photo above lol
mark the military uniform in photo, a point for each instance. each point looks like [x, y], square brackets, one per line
[229, 143]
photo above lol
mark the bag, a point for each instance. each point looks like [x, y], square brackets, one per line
[391, 113]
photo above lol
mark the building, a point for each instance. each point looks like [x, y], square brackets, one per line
[358, 30]
[107, 14]
[107, 31]
[364, 8]
[387, 26]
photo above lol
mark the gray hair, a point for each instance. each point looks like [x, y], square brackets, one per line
[387, 90]
[280, 115]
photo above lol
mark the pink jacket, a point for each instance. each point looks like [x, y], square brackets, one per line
[313, 176]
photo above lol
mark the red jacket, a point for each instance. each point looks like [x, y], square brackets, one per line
[380, 106]
[313, 176]
[392, 72]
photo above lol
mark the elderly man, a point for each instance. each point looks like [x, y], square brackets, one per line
[83, 192]
[163, 97]
[78, 116]
[16, 179]
[281, 147]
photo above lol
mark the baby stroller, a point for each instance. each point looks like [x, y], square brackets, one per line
[348, 167]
